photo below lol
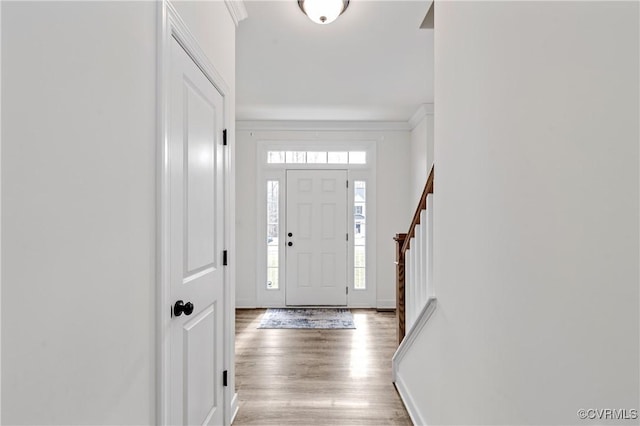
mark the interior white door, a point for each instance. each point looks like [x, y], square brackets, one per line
[316, 237]
[196, 244]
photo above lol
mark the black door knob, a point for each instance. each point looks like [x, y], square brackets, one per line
[290, 234]
[289, 243]
[180, 307]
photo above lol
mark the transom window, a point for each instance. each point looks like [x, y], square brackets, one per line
[316, 157]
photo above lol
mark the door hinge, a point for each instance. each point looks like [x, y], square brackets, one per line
[224, 378]
[224, 258]
[347, 184]
[224, 137]
[347, 289]
[347, 236]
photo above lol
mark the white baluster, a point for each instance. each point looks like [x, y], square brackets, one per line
[416, 281]
[408, 287]
[417, 245]
[423, 259]
[414, 284]
[429, 249]
[412, 302]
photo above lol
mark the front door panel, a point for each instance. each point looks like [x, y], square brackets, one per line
[317, 248]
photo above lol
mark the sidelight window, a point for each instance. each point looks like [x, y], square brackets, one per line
[360, 234]
[273, 232]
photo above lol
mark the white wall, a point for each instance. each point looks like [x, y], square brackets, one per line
[536, 218]
[78, 205]
[421, 150]
[246, 220]
[393, 213]
[78, 202]
[394, 209]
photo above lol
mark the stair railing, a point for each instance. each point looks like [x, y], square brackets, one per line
[414, 262]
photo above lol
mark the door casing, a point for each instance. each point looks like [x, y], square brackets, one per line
[308, 140]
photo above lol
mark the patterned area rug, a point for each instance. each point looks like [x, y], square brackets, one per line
[316, 318]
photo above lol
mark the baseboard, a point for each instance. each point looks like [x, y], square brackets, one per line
[386, 304]
[353, 306]
[246, 304]
[234, 407]
[408, 401]
[360, 306]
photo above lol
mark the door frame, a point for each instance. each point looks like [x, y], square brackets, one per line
[315, 141]
[0, 210]
[171, 25]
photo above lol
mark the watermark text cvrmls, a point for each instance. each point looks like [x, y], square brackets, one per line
[608, 413]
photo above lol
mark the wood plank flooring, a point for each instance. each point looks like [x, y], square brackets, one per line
[317, 377]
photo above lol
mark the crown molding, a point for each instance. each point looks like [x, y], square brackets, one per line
[422, 111]
[258, 125]
[237, 10]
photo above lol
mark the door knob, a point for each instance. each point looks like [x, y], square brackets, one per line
[290, 234]
[289, 243]
[180, 307]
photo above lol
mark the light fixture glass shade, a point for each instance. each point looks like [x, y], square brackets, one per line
[323, 11]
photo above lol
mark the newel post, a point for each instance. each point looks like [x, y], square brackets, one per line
[400, 302]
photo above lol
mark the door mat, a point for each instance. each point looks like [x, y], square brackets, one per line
[315, 318]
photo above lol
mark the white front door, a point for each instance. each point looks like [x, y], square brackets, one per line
[196, 194]
[316, 237]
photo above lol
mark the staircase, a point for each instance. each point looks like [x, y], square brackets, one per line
[414, 263]
[415, 301]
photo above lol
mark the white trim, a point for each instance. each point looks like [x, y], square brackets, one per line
[386, 303]
[172, 26]
[323, 125]
[230, 395]
[412, 334]
[237, 10]
[407, 342]
[422, 111]
[361, 305]
[409, 403]
[162, 173]
[0, 212]
[235, 407]
[245, 304]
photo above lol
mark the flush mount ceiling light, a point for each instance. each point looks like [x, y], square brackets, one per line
[323, 11]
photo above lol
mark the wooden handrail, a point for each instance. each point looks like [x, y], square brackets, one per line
[422, 205]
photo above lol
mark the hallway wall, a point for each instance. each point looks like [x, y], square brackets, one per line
[536, 230]
[79, 140]
[421, 150]
[393, 211]
[78, 198]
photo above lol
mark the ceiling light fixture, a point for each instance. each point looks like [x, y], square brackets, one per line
[323, 11]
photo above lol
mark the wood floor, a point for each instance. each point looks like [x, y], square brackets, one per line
[317, 377]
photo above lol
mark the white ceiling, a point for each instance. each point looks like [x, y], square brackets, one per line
[373, 63]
